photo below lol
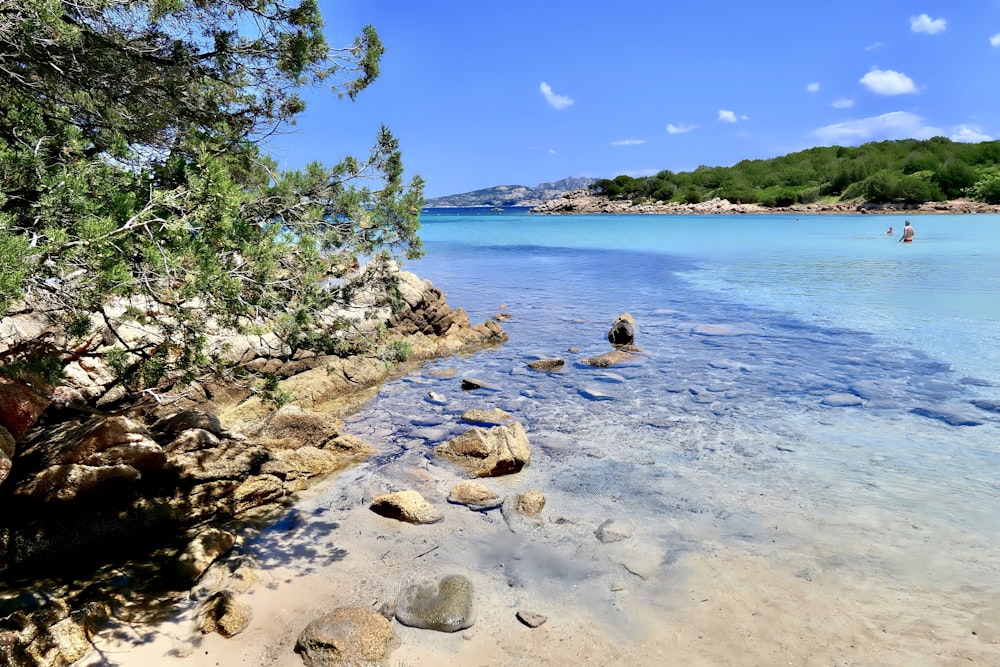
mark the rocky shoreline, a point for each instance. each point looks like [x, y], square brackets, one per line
[167, 483]
[583, 201]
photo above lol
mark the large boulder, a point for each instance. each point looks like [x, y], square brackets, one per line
[501, 450]
[20, 406]
[347, 637]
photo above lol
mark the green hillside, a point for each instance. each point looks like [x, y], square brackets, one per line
[907, 171]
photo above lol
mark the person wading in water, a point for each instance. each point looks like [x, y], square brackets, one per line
[907, 236]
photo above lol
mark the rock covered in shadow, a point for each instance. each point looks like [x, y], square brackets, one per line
[200, 553]
[347, 636]
[408, 506]
[222, 613]
[446, 605]
[622, 331]
[492, 452]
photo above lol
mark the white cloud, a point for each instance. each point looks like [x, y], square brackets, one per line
[842, 103]
[875, 46]
[555, 101]
[971, 134]
[679, 129]
[813, 87]
[888, 82]
[727, 116]
[925, 23]
[995, 40]
[628, 142]
[893, 125]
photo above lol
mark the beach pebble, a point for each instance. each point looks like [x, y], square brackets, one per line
[842, 400]
[613, 531]
[446, 605]
[530, 618]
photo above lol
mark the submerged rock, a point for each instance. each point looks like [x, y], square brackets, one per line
[613, 531]
[523, 512]
[546, 364]
[446, 605]
[617, 357]
[946, 416]
[492, 417]
[347, 637]
[842, 400]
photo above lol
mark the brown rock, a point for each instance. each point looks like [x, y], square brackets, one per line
[500, 450]
[221, 613]
[546, 364]
[302, 463]
[531, 502]
[347, 637]
[20, 406]
[609, 359]
[201, 552]
[407, 506]
[474, 495]
[492, 417]
[70, 482]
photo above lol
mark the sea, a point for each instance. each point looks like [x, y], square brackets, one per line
[801, 465]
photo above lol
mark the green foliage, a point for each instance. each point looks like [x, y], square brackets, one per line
[134, 187]
[396, 351]
[908, 171]
[987, 188]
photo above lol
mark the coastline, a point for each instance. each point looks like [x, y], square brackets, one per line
[583, 202]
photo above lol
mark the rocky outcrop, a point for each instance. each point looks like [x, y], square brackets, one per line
[583, 201]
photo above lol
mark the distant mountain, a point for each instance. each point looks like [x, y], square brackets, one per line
[511, 195]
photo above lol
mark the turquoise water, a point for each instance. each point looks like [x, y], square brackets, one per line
[805, 458]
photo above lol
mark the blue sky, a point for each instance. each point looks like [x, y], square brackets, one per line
[503, 93]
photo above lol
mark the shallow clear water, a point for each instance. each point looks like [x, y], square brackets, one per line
[800, 309]
[864, 534]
